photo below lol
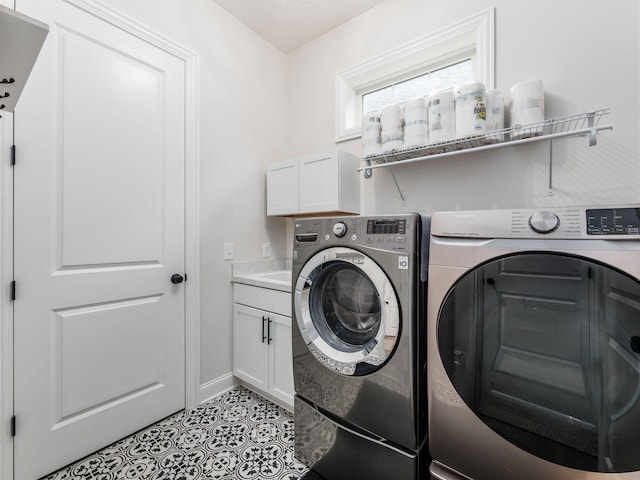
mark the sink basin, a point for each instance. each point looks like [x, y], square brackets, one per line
[276, 276]
[271, 279]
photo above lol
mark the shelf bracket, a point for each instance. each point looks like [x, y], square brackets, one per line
[367, 172]
[550, 190]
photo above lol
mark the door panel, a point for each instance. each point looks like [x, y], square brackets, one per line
[99, 229]
[85, 336]
[126, 171]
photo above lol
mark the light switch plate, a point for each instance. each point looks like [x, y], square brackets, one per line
[228, 251]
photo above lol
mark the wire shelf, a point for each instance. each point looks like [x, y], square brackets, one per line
[581, 124]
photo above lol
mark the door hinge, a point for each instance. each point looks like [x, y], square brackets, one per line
[13, 426]
[13, 155]
[12, 291]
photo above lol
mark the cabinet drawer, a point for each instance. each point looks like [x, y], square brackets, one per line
[263, 298]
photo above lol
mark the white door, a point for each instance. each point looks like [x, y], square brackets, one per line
[99, 231]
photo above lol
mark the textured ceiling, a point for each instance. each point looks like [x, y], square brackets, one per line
[289, 24]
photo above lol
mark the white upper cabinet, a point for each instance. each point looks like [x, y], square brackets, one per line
[319, 183]
[21, 38]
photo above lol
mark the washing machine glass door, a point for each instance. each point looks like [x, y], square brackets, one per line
[346, 311]
[545, 349]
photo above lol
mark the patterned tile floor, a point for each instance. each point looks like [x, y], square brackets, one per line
[238, 436]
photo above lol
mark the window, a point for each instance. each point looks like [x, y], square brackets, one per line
[460, 52]
[418, 86]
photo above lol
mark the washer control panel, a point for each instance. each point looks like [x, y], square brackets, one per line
[389, 232]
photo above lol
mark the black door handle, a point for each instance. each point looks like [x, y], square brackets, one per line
[176, 278]
[263, 335]
[269, 339]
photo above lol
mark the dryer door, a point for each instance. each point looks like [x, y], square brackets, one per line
[347, 311]
[544, 348]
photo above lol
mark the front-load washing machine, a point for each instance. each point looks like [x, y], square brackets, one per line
[534, 344]
[359, 347]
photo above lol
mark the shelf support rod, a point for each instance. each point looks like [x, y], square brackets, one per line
[593, 132]
[404, 201]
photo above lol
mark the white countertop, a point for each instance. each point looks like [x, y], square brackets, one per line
[273, 274]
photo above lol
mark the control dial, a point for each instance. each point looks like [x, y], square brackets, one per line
[544, 222]
[339, 229]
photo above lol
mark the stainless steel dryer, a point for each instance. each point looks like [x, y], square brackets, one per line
[534, 344]
[359, 347]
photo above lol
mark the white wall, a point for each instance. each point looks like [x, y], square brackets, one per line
[242, 129]
[585, 51]
[258, 106]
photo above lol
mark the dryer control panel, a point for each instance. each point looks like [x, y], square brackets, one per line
[614, 222]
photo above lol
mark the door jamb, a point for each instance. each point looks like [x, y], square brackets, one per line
[192, 225]
[6, 308]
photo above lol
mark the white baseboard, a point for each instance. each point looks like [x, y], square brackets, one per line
[281, 403]
[224, 383]
[217, 386]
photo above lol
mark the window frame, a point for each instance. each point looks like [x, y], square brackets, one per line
[472, 37]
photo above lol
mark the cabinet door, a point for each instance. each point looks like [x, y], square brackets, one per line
[319, 183]
[281, 361]
[282, 188]
[250, 348]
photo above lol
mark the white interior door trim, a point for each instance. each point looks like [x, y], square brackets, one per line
[6, 309]
[192, 226]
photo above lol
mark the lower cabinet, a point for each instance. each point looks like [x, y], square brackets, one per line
[262, 341]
